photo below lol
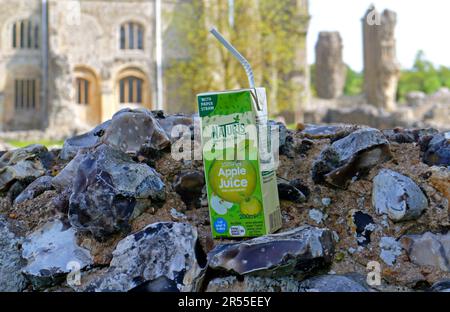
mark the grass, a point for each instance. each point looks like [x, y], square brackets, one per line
[47, 143]
[291, 126]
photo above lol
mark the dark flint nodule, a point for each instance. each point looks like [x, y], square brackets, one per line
[289, 192]
[363, 224]
[109, 190]
[436, 152]
[189, 185]
[297, 252]
[351, 157]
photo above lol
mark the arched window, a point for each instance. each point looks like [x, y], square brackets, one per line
[25, 34]
[131, 36]
[82, 91]
[130, 90]
[87, 95]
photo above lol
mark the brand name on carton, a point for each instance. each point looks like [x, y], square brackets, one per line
[227, 130]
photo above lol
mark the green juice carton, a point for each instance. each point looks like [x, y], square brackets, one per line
[239, 163]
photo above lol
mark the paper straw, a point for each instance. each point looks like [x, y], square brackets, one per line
[237, 55]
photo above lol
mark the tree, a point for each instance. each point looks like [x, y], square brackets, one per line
[354, 82]
[269, 33]
[422, 77]
[187, 65]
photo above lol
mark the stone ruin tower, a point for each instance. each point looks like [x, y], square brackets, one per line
[381, 69]
[330, 69]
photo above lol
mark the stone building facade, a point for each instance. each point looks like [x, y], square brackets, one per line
[77, 67]
[71, 64]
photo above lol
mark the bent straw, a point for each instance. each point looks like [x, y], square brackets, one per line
[237, 55]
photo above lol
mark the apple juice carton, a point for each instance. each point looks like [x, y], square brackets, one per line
[238, 163]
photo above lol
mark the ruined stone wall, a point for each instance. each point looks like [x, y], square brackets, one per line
[381, 69]
[330, 68]
[133, 217]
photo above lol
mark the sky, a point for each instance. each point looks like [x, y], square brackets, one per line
[421, 25]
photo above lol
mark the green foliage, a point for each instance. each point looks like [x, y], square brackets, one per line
[354, 82]
[424, 76]
[444, 73]
[47, 143]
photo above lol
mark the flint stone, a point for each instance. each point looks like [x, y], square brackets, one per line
[253, 284]
[364, 226]
[189, 185]
[437, 152]
[65, 178]
[162, 256]
[398, 196]
[168, 123]
[401, 136]
[440, 180]
[316, 215]
[333, 132]
[390, 250]
[130, 129]
[11, 263]
[441, 286]
[61, 201]
[281, 129]
[298, 251]
[350, 157]
[36, 188]
[332, 283]
[161, 284]
[288, 149]
[287, 191]
[15, 189]
[428, 249]
[84, 141]
[301, 186]
[109, 190]
[326, 201]
[51, 251]
[24, 164]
